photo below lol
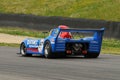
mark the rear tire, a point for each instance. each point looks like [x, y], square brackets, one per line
[91, 55]
[47, 50]
[23, 50]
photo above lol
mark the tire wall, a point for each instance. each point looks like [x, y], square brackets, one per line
[46, 23]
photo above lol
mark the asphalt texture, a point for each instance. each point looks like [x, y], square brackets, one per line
[15, 67]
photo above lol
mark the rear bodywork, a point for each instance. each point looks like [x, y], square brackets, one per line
[82, 42]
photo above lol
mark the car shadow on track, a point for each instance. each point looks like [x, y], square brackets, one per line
[67, 57]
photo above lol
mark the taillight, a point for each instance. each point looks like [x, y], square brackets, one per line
[84, 52]
[68, 51]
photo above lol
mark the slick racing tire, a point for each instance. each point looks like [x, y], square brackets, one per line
[47, 50]
[23, 50]
[91, 55]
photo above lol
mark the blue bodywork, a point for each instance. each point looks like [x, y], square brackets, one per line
[36, 46]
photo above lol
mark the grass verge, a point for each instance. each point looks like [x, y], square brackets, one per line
[111, 46]
[10, 44]
[22, 32]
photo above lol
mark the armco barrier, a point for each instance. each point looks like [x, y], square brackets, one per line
[46, 23]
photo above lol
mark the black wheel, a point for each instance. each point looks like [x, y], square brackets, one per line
[47, 50]
[23, 50]
[91, 55]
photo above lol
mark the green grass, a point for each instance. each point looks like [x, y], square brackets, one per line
[110, 46]
[22, 32]
[90, 9]
[10, 44]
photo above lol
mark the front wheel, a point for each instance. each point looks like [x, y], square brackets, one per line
[91, 55]
[23, 50]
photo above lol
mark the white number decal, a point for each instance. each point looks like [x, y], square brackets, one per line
[40, 47]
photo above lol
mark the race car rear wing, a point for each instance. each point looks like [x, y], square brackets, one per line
[97, 33]
[82, 30]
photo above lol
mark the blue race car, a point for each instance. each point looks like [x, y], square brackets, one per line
[65, 41]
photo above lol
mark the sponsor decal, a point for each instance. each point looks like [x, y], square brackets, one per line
[32, 42]
[94, 42]
[33, 46]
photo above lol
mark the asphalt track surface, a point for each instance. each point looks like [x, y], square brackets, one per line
[15, 67]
